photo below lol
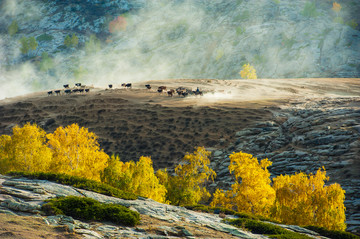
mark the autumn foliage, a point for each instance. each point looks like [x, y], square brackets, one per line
[187, 186]
[336, 7]
[248, 72]
[138, 178]
[76, 152]
[251, 192]
[301, 199]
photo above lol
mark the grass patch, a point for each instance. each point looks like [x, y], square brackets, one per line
[44, 37]
[332, 234]
[310, 10]
[78, 182]
[270, 230]
[88, 209]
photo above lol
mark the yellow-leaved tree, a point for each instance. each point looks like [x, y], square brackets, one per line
[251, 192]
[336, 7]
[76, 152]
[25, 150]
[187, 186]
[248, 72]
[303, 199]
[138, 178]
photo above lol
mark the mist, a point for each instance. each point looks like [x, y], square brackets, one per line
[181, 39]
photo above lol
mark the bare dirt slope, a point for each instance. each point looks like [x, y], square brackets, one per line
[137, 121]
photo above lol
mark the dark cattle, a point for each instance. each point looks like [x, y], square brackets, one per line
[78, 84]
[66, 86]
[179, 92]
[67, 92]
[50, 93]
[161, 89]
[75, 90]
[87, 90]
[123, 84]
[171, 92]
[128, 85]
[110, 86]
[57, 92]
[184, 94]
[148, 87]
[81, 90]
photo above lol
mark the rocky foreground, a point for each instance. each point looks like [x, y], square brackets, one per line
[23, 197]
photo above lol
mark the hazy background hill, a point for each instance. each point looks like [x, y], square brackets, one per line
[163, 39]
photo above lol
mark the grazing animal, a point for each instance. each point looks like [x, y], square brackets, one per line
[81, 90]
[128, 85]
[87, 90]
[78, 84]
[66, 86]
[50, 93]
[68, 92]
[161, 89]
[110, 86]
[123, 84]
[148, 87]
[57, 92]
[75, 90]
[171, 92]
[184, 94]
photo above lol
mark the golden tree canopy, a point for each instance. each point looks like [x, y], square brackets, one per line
[76, 152]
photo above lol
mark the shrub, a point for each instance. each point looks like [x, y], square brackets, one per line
[45, 37]
[83, 208]
[332, 234]
[273, 231]
[78, 182]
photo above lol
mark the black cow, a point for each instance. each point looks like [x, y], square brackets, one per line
[78, 84]
[87, 90]
[57, 92]
[81, 90]
[68, 92]
[110, 86]
[66, 86]
[148, 87]
[50, 93]
[128, 85]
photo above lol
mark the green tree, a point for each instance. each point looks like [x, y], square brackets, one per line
[24, 45]
[74, 40]
[13, 28]
[67, 41]
[28, 44]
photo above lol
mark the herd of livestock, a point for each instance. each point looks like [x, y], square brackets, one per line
[79, 88]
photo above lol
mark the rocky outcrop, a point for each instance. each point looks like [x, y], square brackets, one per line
[24, 197]
[304, 136]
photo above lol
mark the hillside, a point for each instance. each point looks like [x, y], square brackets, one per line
[299, 124]
[162, 39]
